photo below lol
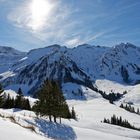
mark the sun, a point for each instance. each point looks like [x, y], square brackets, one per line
[40, 11]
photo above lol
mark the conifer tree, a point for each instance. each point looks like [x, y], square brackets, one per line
[1, 100]
[19, 99]
[73, 114]
[1, 88]
[138, 112]
[43, 107]
[1, 96]
[61, 108]
[6, 104]
[25, 104]
[121, 105]
[51, 102]
[20, 92]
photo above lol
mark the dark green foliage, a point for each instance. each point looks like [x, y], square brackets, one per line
[1, 100]
[138, 112]
[106, 120]
[19, 102]
[44, 106]
[125, 92]
[26, 104]
[110, 96]
[51, 102]
[1, 88]
[73, 114]
[130, 109]
[1, 96]
[120, 122]
[19, 99]
[20, 93]
[8, 102]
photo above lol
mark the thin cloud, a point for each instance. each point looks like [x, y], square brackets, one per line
[73, 42]
[57, 27]
[77, 41]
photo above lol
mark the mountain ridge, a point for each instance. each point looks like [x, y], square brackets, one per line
[81, 65]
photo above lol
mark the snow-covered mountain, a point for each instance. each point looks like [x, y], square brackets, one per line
[8, 56]
[81, 65]
[119, 63]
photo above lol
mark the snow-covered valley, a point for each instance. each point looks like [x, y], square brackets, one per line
[88, 126]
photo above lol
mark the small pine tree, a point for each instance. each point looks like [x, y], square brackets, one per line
[138, 112]
[121, 105]
[125, 92]
[43, 106]
[1, 88]
[20, 92]
[6, 104]
[1, 96]
[105, 120]
[1, 100]
[25, 104]
[28, 106]
[120, 120]
[73, 114]
[19, 99]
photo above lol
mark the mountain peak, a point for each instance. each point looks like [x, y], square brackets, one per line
[9, 50]
[124, 46]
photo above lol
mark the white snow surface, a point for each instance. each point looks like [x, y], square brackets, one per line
[112, 86]
[88, 126]
[13, 131]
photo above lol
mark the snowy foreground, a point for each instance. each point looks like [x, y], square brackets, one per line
[88, 126]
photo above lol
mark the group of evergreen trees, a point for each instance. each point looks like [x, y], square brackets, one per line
[52, 103]
[119, 121]
[19, 102]
[130, 109]
[110, 96]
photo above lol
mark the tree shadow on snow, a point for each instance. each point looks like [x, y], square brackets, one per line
[55, 130]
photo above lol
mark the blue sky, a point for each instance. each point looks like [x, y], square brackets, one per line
[28, 24]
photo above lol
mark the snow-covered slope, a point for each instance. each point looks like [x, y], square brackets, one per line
[92, 112]
[88, 126]
[112, 86]
[12, 131]
[133, 96]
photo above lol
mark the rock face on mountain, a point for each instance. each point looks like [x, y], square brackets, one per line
[81, 65]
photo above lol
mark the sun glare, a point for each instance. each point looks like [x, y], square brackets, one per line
[40, 10]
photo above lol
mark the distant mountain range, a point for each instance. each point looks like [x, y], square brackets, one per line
[81, 65]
